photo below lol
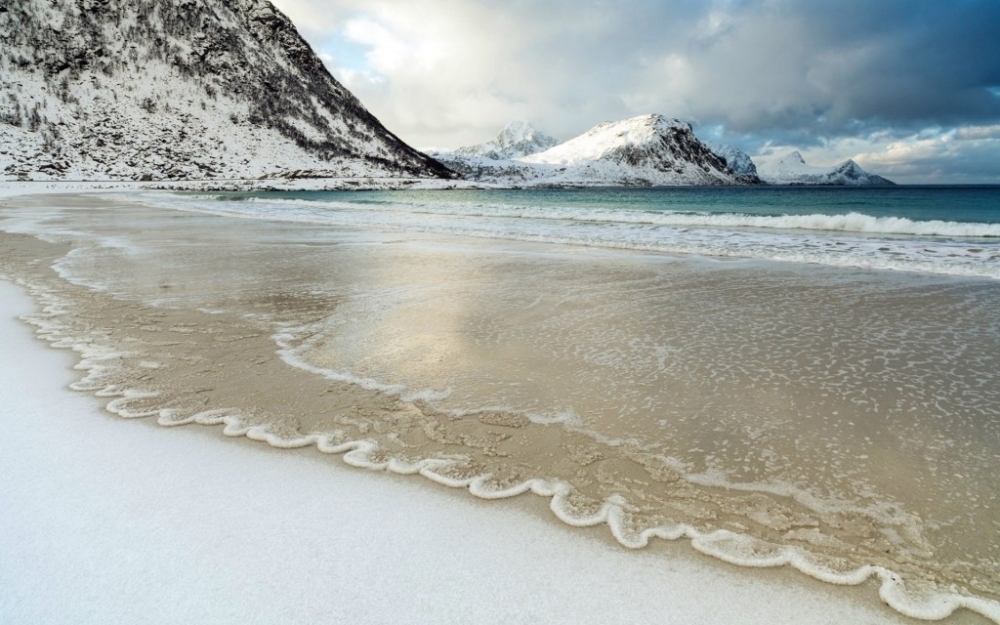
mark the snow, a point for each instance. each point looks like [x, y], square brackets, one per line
[517, 139]
[739, 161]
[793, 169]
[105, 521]
[606, 137]
[793, 165]
[523, 135]
[206, 90]
[644, 150]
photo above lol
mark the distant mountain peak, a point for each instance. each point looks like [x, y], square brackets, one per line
[792, 169]
[517, 131]
[607, 138]
[738, 160]
[793, 157]
[515, 140]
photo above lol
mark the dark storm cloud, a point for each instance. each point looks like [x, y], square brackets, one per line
[926, 61]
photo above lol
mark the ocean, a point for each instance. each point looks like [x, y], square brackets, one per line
[944, 230]
[806, 377]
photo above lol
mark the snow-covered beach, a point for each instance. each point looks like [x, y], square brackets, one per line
[302, 537]
[107, 521]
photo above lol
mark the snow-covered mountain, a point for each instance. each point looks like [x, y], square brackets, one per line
[649, 150]
[516, 140]
[792, 169]
[178, 89]
[738, 160]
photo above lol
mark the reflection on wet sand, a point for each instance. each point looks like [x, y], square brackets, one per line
[850, 415]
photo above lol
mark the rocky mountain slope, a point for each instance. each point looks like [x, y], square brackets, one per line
[178, 89]
[737, 160]
[792, 169]
[649, 150]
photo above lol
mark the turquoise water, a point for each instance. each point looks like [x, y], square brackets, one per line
[930, 230]
[963, 204]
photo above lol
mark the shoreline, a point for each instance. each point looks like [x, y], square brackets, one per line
[11, 188]
[782, 573]
[218, 515]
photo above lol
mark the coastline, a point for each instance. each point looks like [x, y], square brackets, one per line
[124, 523]
[11, 188]
[788, 583]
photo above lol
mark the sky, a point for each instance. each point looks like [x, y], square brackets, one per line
[910, 89]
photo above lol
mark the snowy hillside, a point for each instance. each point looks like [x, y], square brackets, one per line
[792, 169]
[178, 89]
[649, 150]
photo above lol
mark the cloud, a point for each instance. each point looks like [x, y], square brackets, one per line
[314, 19]
[977, 133]
[812, 74]
[962, 155]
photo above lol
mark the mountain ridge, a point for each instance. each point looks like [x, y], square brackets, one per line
[150, 89]
[517, 139]
[738, 160]
[646, 150]
[792, 169]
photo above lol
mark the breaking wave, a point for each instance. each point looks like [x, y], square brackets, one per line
[851, 222]
[849, 240]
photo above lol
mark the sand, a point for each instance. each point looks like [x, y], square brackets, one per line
[110, 521]
[107, 520]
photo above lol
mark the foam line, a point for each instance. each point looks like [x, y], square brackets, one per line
[181, 516]
[851, 222]
[724, 545]
[849, 240]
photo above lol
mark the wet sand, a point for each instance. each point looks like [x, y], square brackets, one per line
[105, 521]
[197, 318]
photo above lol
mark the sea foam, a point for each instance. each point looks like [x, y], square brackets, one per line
[101, 363]
[850, 240]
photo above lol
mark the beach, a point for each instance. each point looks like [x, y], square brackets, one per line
[498, 367]
[106, 521]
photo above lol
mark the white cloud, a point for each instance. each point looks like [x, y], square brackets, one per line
[975, 133]
[313, 18]
[389, 52]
